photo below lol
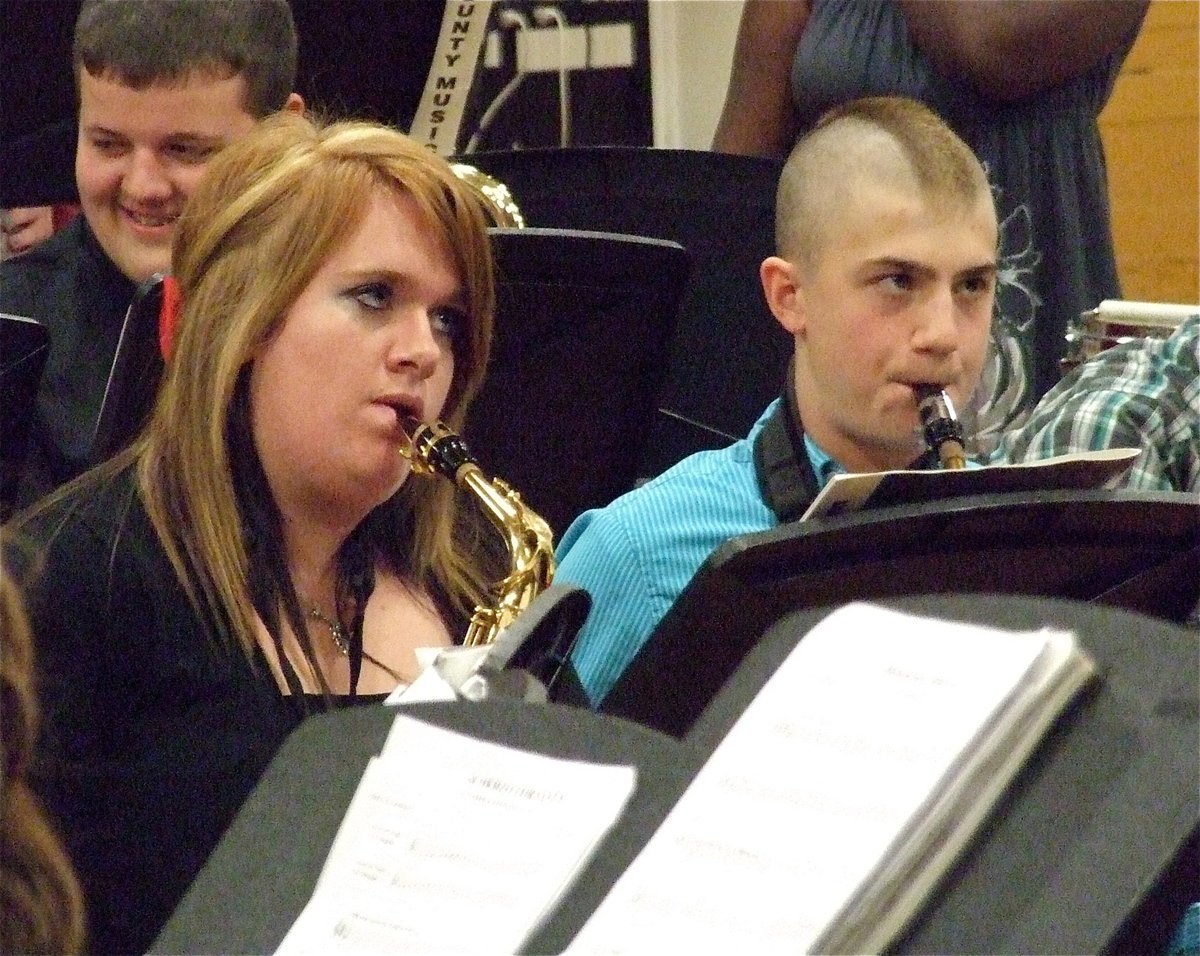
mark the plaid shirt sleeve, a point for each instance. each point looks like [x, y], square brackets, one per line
[1142, 394]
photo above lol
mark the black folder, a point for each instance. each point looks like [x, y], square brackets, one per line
[1091, 850]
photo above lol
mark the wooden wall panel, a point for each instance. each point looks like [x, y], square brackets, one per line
[1151, 131]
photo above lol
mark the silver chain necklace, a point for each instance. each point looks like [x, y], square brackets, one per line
[342, 640]
[336, 630]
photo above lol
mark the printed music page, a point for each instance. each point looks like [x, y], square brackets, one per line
[454, 844]
[815, 823]
[847, 493]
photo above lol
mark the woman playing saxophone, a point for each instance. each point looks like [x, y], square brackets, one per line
[260, 552]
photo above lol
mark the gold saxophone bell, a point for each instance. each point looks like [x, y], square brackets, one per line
[434, 449]
[497, 197]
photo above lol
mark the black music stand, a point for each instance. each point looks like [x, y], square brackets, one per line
[263, 871]
[584, 327]
[730, 355]
[1095, 847]
[1137, 550]
[1088, 851]
[24, 346]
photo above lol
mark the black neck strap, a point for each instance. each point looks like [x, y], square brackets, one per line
[785, 474]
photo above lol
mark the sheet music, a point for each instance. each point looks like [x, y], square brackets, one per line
[848, 492]
[454, 844]
[814, 785]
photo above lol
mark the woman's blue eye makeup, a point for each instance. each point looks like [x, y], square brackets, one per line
[373, 295]
[378, 297]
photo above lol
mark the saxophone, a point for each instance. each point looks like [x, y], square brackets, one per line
[498, 200]
[434, 448]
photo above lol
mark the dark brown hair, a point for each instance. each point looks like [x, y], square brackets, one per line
[143, 42]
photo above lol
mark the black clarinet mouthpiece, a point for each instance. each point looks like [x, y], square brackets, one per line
[942, 429]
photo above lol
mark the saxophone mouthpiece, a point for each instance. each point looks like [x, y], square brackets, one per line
[942, 429]
[433, 448]
[408, 448]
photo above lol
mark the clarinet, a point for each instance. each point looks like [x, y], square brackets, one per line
[942, 429]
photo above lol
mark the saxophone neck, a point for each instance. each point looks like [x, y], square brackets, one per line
[530, 548]
[526, 530]
[527, 536]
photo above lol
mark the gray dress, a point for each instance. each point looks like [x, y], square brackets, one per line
[1045, 161]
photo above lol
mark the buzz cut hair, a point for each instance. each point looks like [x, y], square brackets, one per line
[881, 139]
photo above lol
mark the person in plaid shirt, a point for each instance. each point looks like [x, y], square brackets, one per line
[1140, 394]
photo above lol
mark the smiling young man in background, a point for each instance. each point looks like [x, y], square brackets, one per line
[163, 85]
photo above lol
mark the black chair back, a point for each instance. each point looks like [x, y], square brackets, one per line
[729, 356]
[584, 327]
